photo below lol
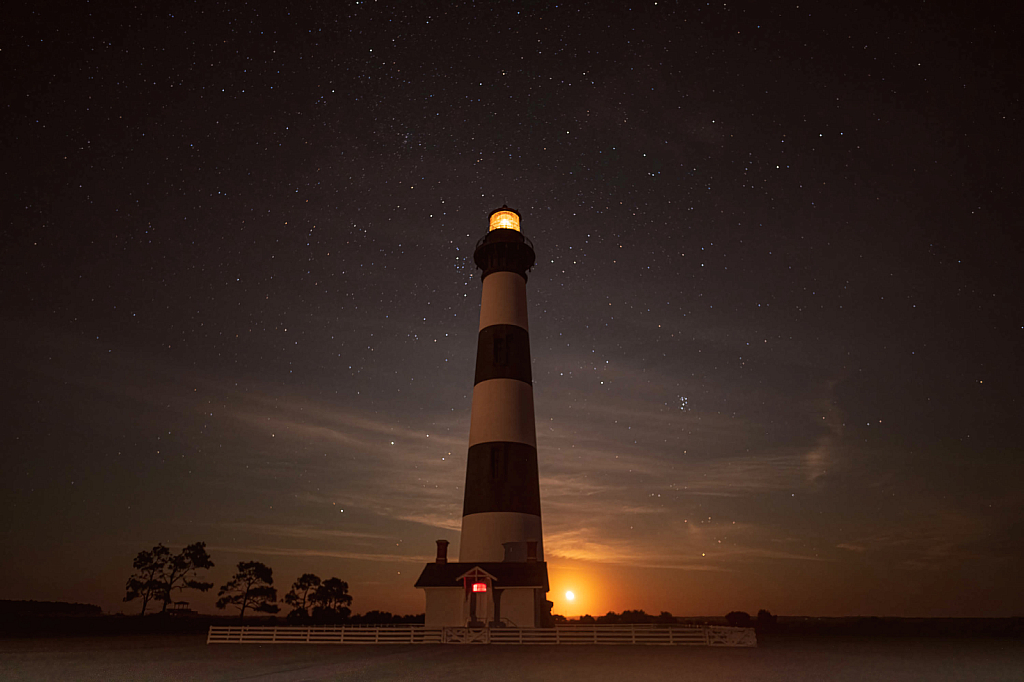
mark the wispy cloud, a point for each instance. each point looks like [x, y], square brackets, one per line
[587, 544]
[270, 550]
[934, 542]
[300, 532]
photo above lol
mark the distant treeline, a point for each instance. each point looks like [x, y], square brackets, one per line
[385, 618]
[10, 607]
[640, 617]
[860, 626]
[627, 617]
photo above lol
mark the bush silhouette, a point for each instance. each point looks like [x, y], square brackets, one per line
[738, 619]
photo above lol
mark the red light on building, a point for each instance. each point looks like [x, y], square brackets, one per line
[479, 587]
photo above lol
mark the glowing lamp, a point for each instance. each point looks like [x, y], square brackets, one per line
[479, 587]
[503, 219]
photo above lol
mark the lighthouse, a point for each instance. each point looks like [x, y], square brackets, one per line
[501, 508]
[500, 579]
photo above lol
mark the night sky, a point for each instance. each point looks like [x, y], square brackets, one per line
[775, 319]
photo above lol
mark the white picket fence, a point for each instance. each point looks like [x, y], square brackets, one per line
[700, 635]
[325, 634]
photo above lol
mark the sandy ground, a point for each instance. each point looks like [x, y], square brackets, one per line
[190, 658]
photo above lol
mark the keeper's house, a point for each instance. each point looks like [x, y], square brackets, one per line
[510, 593]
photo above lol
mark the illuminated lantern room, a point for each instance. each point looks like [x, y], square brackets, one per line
[505, 218]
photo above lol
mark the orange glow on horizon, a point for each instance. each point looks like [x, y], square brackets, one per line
[575, 592]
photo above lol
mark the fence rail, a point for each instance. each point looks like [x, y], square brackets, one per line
[700, 635]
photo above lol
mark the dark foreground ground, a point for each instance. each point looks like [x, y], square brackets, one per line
[188, 657]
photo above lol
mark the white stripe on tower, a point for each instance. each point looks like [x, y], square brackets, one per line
[504, 300]
[502, 413]
[479, 532]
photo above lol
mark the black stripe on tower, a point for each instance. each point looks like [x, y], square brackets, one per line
[503, 352]
[502, 477]
[504, 251]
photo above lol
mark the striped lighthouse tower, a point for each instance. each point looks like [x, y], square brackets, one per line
[501, 508]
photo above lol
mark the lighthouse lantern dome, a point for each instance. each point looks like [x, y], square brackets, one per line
[504, 218]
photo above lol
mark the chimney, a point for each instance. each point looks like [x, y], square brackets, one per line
[531, 551]
[442, 551]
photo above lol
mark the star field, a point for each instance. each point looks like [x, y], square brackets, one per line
[775, 316]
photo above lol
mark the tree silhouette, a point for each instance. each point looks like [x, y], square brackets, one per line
[330, 601]
[250, 588]
[765, 620]
[158, 573]
[182, 570]
[147, 581]
[301, 595]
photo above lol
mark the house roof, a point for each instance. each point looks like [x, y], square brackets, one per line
[505, 574]
[476, 573]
